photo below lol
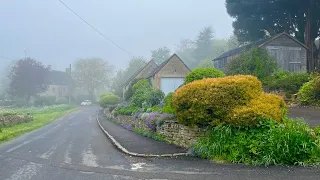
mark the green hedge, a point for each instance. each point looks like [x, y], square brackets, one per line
[201, 73]
[310, 91]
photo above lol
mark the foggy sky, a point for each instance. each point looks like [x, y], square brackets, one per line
[52, 34]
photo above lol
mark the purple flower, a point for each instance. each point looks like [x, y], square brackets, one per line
[136, 115]
[150, 120]
[127, 126]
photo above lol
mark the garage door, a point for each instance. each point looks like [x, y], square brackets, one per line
[170, 84]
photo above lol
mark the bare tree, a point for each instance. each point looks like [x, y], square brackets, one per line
[91, 74]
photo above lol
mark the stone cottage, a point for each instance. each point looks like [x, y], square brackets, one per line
[290, 53]
[141, 73]
[58, 84]
[168, 76]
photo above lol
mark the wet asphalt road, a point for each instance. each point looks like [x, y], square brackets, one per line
[74, 148]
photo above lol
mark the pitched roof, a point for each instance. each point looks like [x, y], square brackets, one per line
[164, 63]
[58, 78]
[137, 72]
[258, 43]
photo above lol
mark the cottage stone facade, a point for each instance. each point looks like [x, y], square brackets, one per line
[168, 76]
[174, 67]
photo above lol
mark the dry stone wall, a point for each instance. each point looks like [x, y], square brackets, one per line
[172, 131]
[13, 119]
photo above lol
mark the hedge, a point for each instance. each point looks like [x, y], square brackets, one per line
[201, 73]
[265, 106]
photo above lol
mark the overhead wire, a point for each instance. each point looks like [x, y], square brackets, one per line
[95, 29]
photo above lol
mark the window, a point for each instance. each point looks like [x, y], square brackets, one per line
[294, 66]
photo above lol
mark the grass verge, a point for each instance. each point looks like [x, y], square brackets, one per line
[39, 120]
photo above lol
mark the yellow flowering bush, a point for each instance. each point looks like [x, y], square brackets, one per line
[265, 106]
[211, 100]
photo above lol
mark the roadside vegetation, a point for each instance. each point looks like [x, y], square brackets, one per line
[244, 123]
[35, 118]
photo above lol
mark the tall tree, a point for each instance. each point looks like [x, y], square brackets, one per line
[91, 74]
[117, 82]
[185, 50]
[160, 55]
[203, 45]
[134, 65]
[207, 63]
[27, 78]
[257, 19]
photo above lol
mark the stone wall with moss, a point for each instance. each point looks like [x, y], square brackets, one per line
[13, 119]
[173, 132]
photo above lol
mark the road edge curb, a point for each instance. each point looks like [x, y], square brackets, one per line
[124, 150]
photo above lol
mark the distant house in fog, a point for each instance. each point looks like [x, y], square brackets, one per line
[289, 52]
[58, 84]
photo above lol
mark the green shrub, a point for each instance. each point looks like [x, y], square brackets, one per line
[108, 100]
[142, 85]
[265, 106]
[129, 93]
[168, 106]
[201, 73]
[141, 92]
[144, 93]
[257, 62]
[62, 100]
[309, 93]
[290, 143]
[201, 102]
[288, 82]
[106, 94]
[155, 97]
[47, 100]
[127, 110]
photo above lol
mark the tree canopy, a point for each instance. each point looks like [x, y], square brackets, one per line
[256, 19]
[160, 55]
[27, 78]
[91, 74]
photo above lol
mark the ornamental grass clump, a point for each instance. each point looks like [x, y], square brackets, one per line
[268, 143]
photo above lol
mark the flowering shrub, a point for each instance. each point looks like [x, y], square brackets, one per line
[266, 106]
[203, 101]
[155, 119]
[127, 126]
[150, 121]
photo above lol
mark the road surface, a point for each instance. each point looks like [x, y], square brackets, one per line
[74, 148]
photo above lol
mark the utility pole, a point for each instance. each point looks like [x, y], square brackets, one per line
[70, 86]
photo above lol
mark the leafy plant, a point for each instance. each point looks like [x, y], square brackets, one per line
[310, 91]
[257, 62]
[288, 82]
[168, 105]
[207, 100]
[201, 73]
[109, 100]
[291, 143]
[155, 97]
[144, 93]
[129, 110]
[265, 106]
